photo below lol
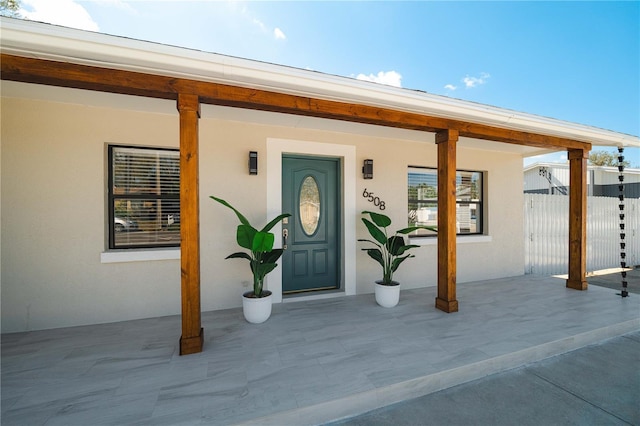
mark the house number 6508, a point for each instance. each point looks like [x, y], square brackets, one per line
[375, 200]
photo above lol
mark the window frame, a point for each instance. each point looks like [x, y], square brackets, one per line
[480, 211]
[112, 198]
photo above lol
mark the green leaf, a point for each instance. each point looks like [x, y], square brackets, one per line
[263, 241]
[271, 224]
[376, 255]
[378, 218]
[372, 242]
[395, 245]
[271, 256]
[241, 218]
[245, 235]
[415, 228]
[398, 261]
[239, 255]
[375, 232]
[405, 248]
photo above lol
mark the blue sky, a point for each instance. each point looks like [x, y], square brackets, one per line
[574, 61]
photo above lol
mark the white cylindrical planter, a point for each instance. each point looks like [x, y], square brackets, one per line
[256, 309]
[387, 296]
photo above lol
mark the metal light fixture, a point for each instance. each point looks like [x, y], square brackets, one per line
[253, 162]
[367, 169]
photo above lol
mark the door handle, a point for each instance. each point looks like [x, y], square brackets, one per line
[285, 234]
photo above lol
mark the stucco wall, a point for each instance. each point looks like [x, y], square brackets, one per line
[53, 210]
[53, 218]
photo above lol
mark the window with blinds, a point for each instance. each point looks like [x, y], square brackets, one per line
[144, 197]
[423, 200]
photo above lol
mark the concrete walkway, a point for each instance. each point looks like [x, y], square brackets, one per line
[596, 385]
[312, 362]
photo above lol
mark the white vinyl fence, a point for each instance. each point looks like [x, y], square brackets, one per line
[546, 233]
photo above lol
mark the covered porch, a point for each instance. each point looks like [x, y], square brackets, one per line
[191, 94]
[313, 362]
[155, 80]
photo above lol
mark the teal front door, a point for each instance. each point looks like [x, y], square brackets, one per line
[310, 192]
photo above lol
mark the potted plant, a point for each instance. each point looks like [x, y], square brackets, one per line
[389, 252]
[262, 257]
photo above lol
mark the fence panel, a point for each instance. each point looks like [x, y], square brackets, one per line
[547, 229]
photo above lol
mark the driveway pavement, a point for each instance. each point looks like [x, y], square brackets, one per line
[595, 385]
[614, 280]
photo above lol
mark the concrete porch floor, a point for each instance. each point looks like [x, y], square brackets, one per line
[312, 362]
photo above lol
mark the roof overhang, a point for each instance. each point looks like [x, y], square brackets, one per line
[299, 92]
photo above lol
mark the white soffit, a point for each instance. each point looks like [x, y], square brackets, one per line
[45, 41]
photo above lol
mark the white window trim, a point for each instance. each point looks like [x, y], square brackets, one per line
[121, 256]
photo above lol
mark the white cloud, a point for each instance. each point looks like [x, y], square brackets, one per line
[67, 13]
[278, 34]
[450, 87]
[390, 78]
[471, 82]
[259, 23]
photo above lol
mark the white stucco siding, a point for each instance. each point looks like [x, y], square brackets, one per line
[503, 256]
[53, 218]
[53, 208]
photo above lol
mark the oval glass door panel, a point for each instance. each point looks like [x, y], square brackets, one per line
[309, 205]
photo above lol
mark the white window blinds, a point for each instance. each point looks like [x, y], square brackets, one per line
[144, 197]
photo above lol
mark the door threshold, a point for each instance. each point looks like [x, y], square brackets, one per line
[301, 297]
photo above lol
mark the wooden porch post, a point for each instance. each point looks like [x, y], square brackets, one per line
[192, 333]
[577, 219]
[446, 300]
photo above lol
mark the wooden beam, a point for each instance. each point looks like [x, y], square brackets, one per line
[65, 74]
[577, 219]
[446, 300]
[499, 134]
[192, 333]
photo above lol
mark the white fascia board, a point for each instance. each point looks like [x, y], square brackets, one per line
[45, 41]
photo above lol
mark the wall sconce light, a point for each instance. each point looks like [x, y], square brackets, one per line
[367, 169]
[253, 162]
